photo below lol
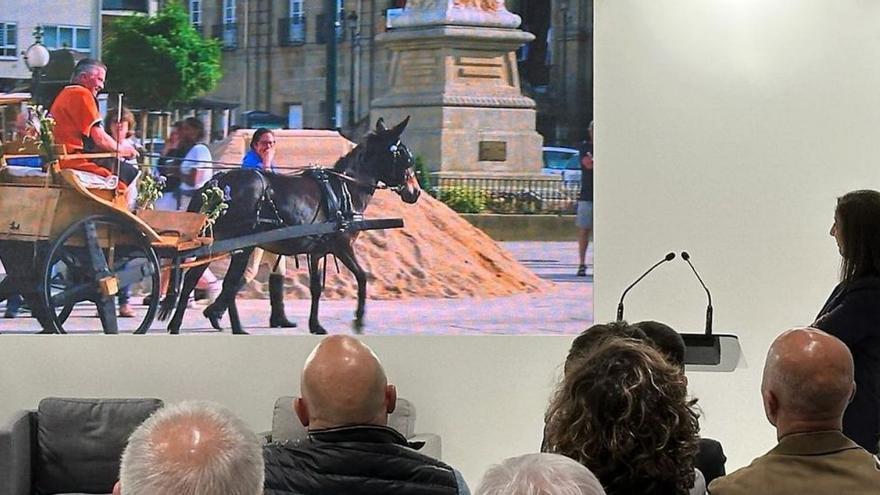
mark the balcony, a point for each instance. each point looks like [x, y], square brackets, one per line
[292, 30]
[227, 34]
[126, 5]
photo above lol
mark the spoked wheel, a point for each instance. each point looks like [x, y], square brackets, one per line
[90, 262]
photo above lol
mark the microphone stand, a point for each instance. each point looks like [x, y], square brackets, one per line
[668, 257]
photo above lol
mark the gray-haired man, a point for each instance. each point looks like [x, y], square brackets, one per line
[196, 448]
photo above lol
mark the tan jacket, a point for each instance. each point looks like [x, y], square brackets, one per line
[823, 462]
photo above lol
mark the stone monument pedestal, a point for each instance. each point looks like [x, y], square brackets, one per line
[460, 85]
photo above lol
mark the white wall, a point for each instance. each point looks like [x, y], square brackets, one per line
[727, 128]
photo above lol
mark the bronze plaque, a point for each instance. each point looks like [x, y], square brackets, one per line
[493, 151]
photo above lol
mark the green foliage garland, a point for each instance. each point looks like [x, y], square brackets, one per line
[214, 204]
[149, 189]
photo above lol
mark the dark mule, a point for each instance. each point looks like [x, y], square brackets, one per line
[254, 199]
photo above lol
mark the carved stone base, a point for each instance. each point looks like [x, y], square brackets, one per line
[471, 139]
[442, 12]
[461, 86]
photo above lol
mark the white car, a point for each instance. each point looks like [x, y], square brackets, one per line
[562, 161]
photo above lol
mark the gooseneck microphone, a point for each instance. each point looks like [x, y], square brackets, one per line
[668, 257]
[685, 256]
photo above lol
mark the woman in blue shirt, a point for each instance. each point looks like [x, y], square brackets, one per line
[261, 156]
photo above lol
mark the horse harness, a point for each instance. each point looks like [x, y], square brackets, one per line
[337, 207]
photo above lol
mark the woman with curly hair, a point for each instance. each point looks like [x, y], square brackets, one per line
[622, 411]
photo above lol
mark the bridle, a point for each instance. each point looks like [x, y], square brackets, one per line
[398, 151]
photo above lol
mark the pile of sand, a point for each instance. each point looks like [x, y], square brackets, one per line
[436, 254]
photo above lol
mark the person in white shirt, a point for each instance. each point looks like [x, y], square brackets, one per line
[195, 168]
[195, 171]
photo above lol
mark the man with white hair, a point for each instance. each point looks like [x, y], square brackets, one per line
[345, 399]
[192, 448]
[78, 121]
[545, 474]
[808, 382]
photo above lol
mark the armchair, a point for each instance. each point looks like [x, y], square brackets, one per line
[68, 445]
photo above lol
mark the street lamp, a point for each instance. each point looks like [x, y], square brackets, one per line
[353, 25]
[35, 58]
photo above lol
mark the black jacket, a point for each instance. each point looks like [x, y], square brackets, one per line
[852, 314]
[354, 460]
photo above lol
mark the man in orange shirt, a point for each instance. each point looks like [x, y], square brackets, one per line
[78, 121]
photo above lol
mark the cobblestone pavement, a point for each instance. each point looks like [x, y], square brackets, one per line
[564, 309]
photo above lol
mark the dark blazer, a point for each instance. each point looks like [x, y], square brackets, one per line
[852, 314]
[822, 462]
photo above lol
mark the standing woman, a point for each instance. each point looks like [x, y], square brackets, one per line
[261, 156]
[852, 312]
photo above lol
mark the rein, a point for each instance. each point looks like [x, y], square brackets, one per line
[408, 173]
[299, 170]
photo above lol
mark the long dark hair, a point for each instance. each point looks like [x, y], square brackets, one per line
[622, 410]
[858, 222]
[257, 135]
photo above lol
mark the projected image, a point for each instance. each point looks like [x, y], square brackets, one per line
[379, 188]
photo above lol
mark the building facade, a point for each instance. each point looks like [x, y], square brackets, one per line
[77, 25]
[274, 59]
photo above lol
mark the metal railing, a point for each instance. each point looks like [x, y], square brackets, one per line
[292, 30]
[506, 195]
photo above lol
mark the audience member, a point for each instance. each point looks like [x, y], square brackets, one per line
[622, 411]
[852, 312]
[544, 474]
[192, 448]
[808, 381]
[710, 458]
[665, 339]
[345, 401]
[591, 338]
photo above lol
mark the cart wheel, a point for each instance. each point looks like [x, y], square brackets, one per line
[89, 261]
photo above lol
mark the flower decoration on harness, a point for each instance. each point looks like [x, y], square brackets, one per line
[215, 202]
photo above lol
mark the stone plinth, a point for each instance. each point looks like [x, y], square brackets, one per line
[461, 86]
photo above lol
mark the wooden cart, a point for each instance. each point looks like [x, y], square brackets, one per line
[63, 244]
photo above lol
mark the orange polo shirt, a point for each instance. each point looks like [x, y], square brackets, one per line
[75, 111]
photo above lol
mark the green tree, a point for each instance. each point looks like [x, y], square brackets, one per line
[161, 60]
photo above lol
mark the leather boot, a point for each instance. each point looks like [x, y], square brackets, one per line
[276, 299]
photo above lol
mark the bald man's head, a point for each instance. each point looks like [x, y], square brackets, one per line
[808, 377]
[343, 383]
